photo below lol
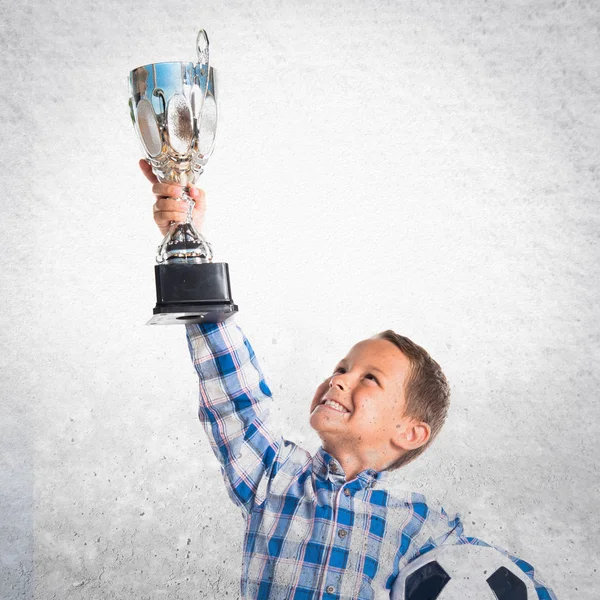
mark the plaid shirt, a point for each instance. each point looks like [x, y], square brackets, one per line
[309, 533]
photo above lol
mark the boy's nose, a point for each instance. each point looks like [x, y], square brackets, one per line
[337, 382]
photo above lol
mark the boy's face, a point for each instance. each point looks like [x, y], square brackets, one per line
[361, 406]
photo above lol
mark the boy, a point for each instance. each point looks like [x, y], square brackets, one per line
[322, 526]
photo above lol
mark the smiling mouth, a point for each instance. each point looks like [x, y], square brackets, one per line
[334, 405]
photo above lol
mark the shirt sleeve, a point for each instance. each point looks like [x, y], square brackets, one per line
[233, 395]
[449, 530]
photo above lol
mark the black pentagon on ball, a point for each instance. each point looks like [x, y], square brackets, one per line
[506, 585]
[427, 582]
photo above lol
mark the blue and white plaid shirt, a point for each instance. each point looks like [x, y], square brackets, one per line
[309, 533]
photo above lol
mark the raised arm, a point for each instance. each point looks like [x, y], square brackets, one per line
[232, 388]
[233, 394]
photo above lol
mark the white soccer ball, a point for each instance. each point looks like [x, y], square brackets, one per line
[463, 572]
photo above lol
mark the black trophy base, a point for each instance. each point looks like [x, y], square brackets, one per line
[192, 293]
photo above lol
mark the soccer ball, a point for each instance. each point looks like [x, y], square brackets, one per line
[463, 572]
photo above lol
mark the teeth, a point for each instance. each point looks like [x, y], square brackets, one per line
[335, 405]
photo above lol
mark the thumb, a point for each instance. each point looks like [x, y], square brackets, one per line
[147, 171]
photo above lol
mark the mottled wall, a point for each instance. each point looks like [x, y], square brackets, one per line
[426, 166]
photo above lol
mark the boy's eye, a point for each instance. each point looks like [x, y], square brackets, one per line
[371, 376]
[339, 370]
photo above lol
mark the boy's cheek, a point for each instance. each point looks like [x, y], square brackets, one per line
[318, 395]
[315, 402]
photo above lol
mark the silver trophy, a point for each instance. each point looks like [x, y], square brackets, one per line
[174, 111]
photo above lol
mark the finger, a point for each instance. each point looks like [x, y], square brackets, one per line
[196, 193]
[199, 198]
[147, 171]
[169, 190]
[166, 213]
[165, 204]
[170, 204]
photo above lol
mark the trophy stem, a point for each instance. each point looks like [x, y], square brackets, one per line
[190, 206]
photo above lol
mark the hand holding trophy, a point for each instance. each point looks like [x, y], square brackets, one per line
[174, 111]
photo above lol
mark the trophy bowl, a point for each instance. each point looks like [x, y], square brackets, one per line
[173, 108]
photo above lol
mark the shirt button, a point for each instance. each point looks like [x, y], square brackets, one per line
[342, 533]
[330, 589]
[346, 492]
[333, 468]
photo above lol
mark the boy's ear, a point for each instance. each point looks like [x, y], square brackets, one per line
[411, 434]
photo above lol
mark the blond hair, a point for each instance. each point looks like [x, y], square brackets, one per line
[426, 391]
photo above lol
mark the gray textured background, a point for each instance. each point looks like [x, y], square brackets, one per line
[426, 166]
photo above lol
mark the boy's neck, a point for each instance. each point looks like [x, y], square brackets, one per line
[354, 463]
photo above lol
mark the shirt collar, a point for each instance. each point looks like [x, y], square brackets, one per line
[327, 467]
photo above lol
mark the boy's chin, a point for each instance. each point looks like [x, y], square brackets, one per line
[323, 423]
[315, 421]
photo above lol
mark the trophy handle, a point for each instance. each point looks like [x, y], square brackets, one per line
[160, 94]
[202, 51]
